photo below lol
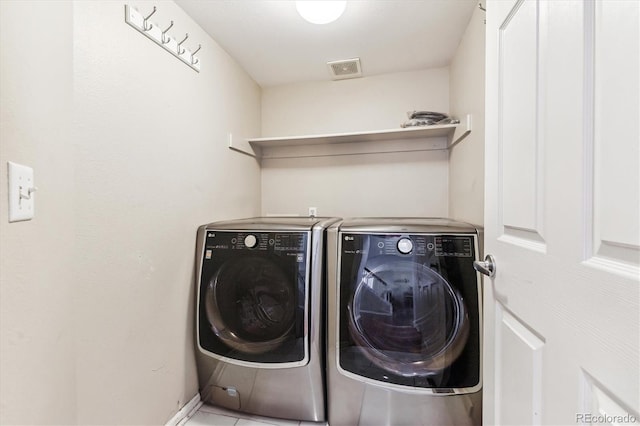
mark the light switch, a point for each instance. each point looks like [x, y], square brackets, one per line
[21, 192]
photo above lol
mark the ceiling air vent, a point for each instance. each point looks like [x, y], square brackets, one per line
[348, 68]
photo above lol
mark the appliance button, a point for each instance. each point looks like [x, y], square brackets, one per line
[250, 241]
[405, 245]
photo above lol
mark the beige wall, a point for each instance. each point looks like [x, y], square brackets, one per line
[359, 104]
[466, 159]
[37, 280]
[97, 290]
[390, 184]
[360, 184]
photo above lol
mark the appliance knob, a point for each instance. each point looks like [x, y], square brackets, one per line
[405, 245]
[250, 241]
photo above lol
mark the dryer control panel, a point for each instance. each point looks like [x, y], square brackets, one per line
[413, 244]
[453, 246]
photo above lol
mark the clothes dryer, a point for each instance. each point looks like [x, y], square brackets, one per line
[404, 325]
[259, 316]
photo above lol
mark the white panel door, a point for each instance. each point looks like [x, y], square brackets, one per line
[562, 219]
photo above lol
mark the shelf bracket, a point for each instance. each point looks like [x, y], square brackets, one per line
[244, 148]
[462, 131]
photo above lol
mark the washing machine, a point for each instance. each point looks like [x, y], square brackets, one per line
[260, 316]
[404, 323]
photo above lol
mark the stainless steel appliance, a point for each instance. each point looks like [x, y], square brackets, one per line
[404, 323]
[259, 316]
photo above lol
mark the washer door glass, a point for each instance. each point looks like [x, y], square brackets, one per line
[251, 304]
[407, 319]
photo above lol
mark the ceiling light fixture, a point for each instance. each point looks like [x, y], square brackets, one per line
[321, 12]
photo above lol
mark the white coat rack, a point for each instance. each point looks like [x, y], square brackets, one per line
[150, 29]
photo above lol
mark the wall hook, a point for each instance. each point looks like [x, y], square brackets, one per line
[195, 60]
[145, 20]
[484, 10]
[165, 40]
[180, 49]
[159, 34]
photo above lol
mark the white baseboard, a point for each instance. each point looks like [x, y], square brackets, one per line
[186, 411]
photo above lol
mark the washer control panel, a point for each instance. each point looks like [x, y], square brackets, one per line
[256, 241]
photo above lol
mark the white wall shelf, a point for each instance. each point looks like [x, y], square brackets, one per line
[450, 134]
[369, 136]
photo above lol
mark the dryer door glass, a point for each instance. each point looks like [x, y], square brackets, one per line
[407, 319]
[409, 310]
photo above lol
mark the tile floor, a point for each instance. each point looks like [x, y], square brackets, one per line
[207, 415]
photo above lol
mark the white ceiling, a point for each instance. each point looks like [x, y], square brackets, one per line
[276, 46]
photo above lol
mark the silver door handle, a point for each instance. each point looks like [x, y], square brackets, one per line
[487, 267]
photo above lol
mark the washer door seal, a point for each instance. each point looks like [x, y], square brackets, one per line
[251, 304]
